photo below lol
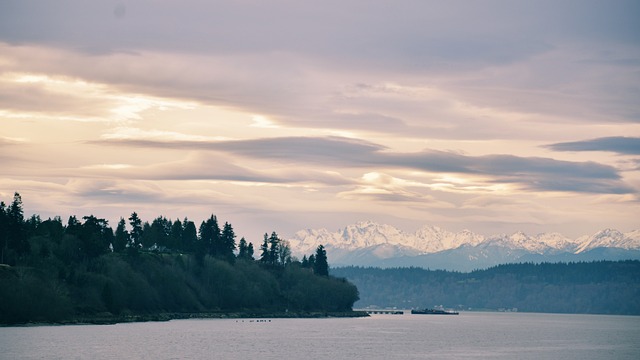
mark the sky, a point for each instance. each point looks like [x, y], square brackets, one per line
[492, 116]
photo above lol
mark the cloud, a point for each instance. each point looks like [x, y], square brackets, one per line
[199, 166]
[534, 173]
[444, 31]
[285, 62]
[311, 113]
[616, 144]
[386, 188]
[27, 95]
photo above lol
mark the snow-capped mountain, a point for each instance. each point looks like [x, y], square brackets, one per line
[610, 238]
[370, 244]
[365, 234]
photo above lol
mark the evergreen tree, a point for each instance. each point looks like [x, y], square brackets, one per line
[274, 249]
[121, 237]
[175, 235]
[73, 226]
[250, 251]
[53, 229]
[136, 230]
[227, 242]
[264, 250]
[95, 236]
[160, 231]
[312, 261]
[147, 239]
[189, 235]
[210, 236]
[31, 225]
[321, 266]
[16, 232]
[242, 249]
[4, 232]
[245, 250]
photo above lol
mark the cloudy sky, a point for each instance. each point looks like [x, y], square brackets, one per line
[493, 116]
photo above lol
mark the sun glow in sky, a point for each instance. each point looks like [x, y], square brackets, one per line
[493, 116]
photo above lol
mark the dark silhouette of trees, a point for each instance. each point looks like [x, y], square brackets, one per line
[95, 236]
[274, 251]
[136, 230]
[216, 242]
[16, 234]
[245, 250]
[264, 250]
[210, 236]
[601, 287]
[84, 269]
[189, 235]
[4, 232]
[320, 265]
[175, 236]
[159, 233]
[121, 236]
[227, 242]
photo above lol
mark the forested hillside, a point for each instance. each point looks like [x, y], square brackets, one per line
[602, 287]
[50, 271]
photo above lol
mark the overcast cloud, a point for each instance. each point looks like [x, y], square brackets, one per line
[283, 115]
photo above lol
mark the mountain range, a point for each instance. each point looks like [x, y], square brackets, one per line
[371, 244]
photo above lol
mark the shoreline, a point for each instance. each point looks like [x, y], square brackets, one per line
[108, 319]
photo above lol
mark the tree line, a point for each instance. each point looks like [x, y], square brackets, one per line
[600, 287]
[50, 271]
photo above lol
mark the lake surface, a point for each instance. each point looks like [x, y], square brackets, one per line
[469, 335]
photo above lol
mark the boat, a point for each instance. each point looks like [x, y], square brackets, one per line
[434, 312]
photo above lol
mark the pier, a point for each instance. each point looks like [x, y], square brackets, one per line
[384, 312]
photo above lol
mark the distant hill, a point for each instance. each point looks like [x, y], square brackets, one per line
[371, 244]
[601, 287]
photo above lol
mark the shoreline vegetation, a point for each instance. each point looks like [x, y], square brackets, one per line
[599, 287]
[85, 272]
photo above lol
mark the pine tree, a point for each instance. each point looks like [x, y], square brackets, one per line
[136, 230]
[175, 236]
[210, 236]
[121, 236]
[189, 235]
[250, 251]
[264, 250]
[274, 249]
[160, 232]
[227, 242]
[17, 236]
[321, 266]
[147, 239]
[4, 231]
[242, 249]
[95, 236]
[245, 250]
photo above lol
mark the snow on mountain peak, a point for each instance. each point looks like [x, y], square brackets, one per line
[431, 239]
[610, 238]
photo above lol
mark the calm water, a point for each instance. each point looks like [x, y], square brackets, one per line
[467, 336]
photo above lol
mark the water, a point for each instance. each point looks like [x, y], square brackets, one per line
[467, 336]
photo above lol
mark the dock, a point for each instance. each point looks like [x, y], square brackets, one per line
[382, 311]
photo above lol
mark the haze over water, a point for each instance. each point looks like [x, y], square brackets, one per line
[469, 335]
